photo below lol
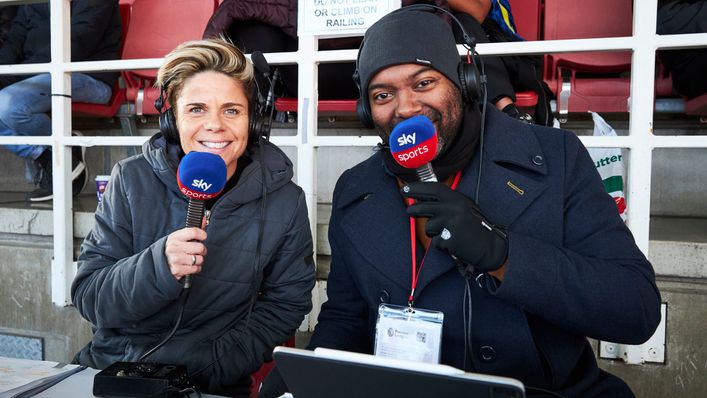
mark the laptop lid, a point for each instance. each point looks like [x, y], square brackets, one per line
[326, 373]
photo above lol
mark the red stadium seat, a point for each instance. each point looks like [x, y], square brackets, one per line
[118, 95]
[574, 19]
[290, 105]
[156, 28]
[526, 15]
[697, 106]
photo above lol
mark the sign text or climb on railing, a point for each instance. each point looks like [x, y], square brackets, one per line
[331, 18]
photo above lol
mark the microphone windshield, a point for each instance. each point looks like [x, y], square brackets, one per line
[413, 142]
[201, 175]
[260, 63]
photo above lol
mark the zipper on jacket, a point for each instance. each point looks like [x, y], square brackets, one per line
[207, 215]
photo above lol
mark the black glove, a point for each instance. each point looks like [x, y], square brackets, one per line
[457, 226]
[273, 385]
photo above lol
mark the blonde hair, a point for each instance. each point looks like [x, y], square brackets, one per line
[192, 57]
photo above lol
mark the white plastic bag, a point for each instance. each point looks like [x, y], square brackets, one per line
[610, 165]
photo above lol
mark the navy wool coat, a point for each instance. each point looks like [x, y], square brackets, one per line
[573, 268]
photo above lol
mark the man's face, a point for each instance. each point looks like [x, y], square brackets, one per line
[399, 92]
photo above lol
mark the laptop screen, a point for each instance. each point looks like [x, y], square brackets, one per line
[326, 373]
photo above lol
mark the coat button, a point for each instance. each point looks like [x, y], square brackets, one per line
[384, 296]
[538, 160]
[487, 353]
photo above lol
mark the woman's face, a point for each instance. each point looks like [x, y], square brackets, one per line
[212, 116]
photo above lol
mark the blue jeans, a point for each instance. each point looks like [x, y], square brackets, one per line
[24, 106]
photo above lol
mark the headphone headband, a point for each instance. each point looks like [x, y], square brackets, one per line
[469, 42]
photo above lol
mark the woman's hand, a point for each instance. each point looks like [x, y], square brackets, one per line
[185, 251]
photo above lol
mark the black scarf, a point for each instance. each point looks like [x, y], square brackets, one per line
[456, 155]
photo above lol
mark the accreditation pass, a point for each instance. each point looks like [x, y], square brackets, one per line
[409, 333]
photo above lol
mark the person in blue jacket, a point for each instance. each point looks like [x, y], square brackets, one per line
[518, 245]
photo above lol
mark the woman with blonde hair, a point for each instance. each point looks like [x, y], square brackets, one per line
[250, 263]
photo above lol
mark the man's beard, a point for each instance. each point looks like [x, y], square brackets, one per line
[448, 121]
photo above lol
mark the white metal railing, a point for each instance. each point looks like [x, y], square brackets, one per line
[640, 140]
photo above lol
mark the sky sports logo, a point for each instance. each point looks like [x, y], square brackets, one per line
[407, 139]
[196, 194]
[412, 153]
[201, 184]
[413, 142]
[201, 190]
[408, 153]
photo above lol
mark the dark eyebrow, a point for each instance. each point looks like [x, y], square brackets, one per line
[423, 69]
[226, 105]
[231, 104]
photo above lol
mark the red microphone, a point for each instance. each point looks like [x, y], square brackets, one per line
[413, 144]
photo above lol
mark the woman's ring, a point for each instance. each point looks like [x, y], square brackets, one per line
[193, 259]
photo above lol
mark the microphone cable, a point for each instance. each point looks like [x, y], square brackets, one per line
[482, 128]
[182, 300]
[467, 314]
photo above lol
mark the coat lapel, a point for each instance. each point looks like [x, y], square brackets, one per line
[513, 170]
[510, 181]
[373, 219]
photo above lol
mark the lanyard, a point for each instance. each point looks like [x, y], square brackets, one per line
[413, 245]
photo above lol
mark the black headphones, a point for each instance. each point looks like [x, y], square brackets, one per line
[259, 122]
[472, 86]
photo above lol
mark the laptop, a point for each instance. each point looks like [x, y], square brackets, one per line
[326, 373]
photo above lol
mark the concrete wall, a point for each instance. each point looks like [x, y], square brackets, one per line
[683, 373]
[25, 299]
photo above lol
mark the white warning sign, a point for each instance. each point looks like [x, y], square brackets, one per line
[331, 18]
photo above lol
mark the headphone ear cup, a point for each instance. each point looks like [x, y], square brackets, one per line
[256, 128]
[159, 103]
[168, 127]
[362, 110]
[364, 114]
[471, 82]
[258, 123]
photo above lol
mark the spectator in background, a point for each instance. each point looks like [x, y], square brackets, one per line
[492, 21]
[687, 67]
[25, 101]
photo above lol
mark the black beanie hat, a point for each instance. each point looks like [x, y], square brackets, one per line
[407, 36]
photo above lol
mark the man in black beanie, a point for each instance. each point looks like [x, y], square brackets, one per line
[518, 245]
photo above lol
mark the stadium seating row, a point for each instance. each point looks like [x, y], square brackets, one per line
[596, 81]
[143, 37]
